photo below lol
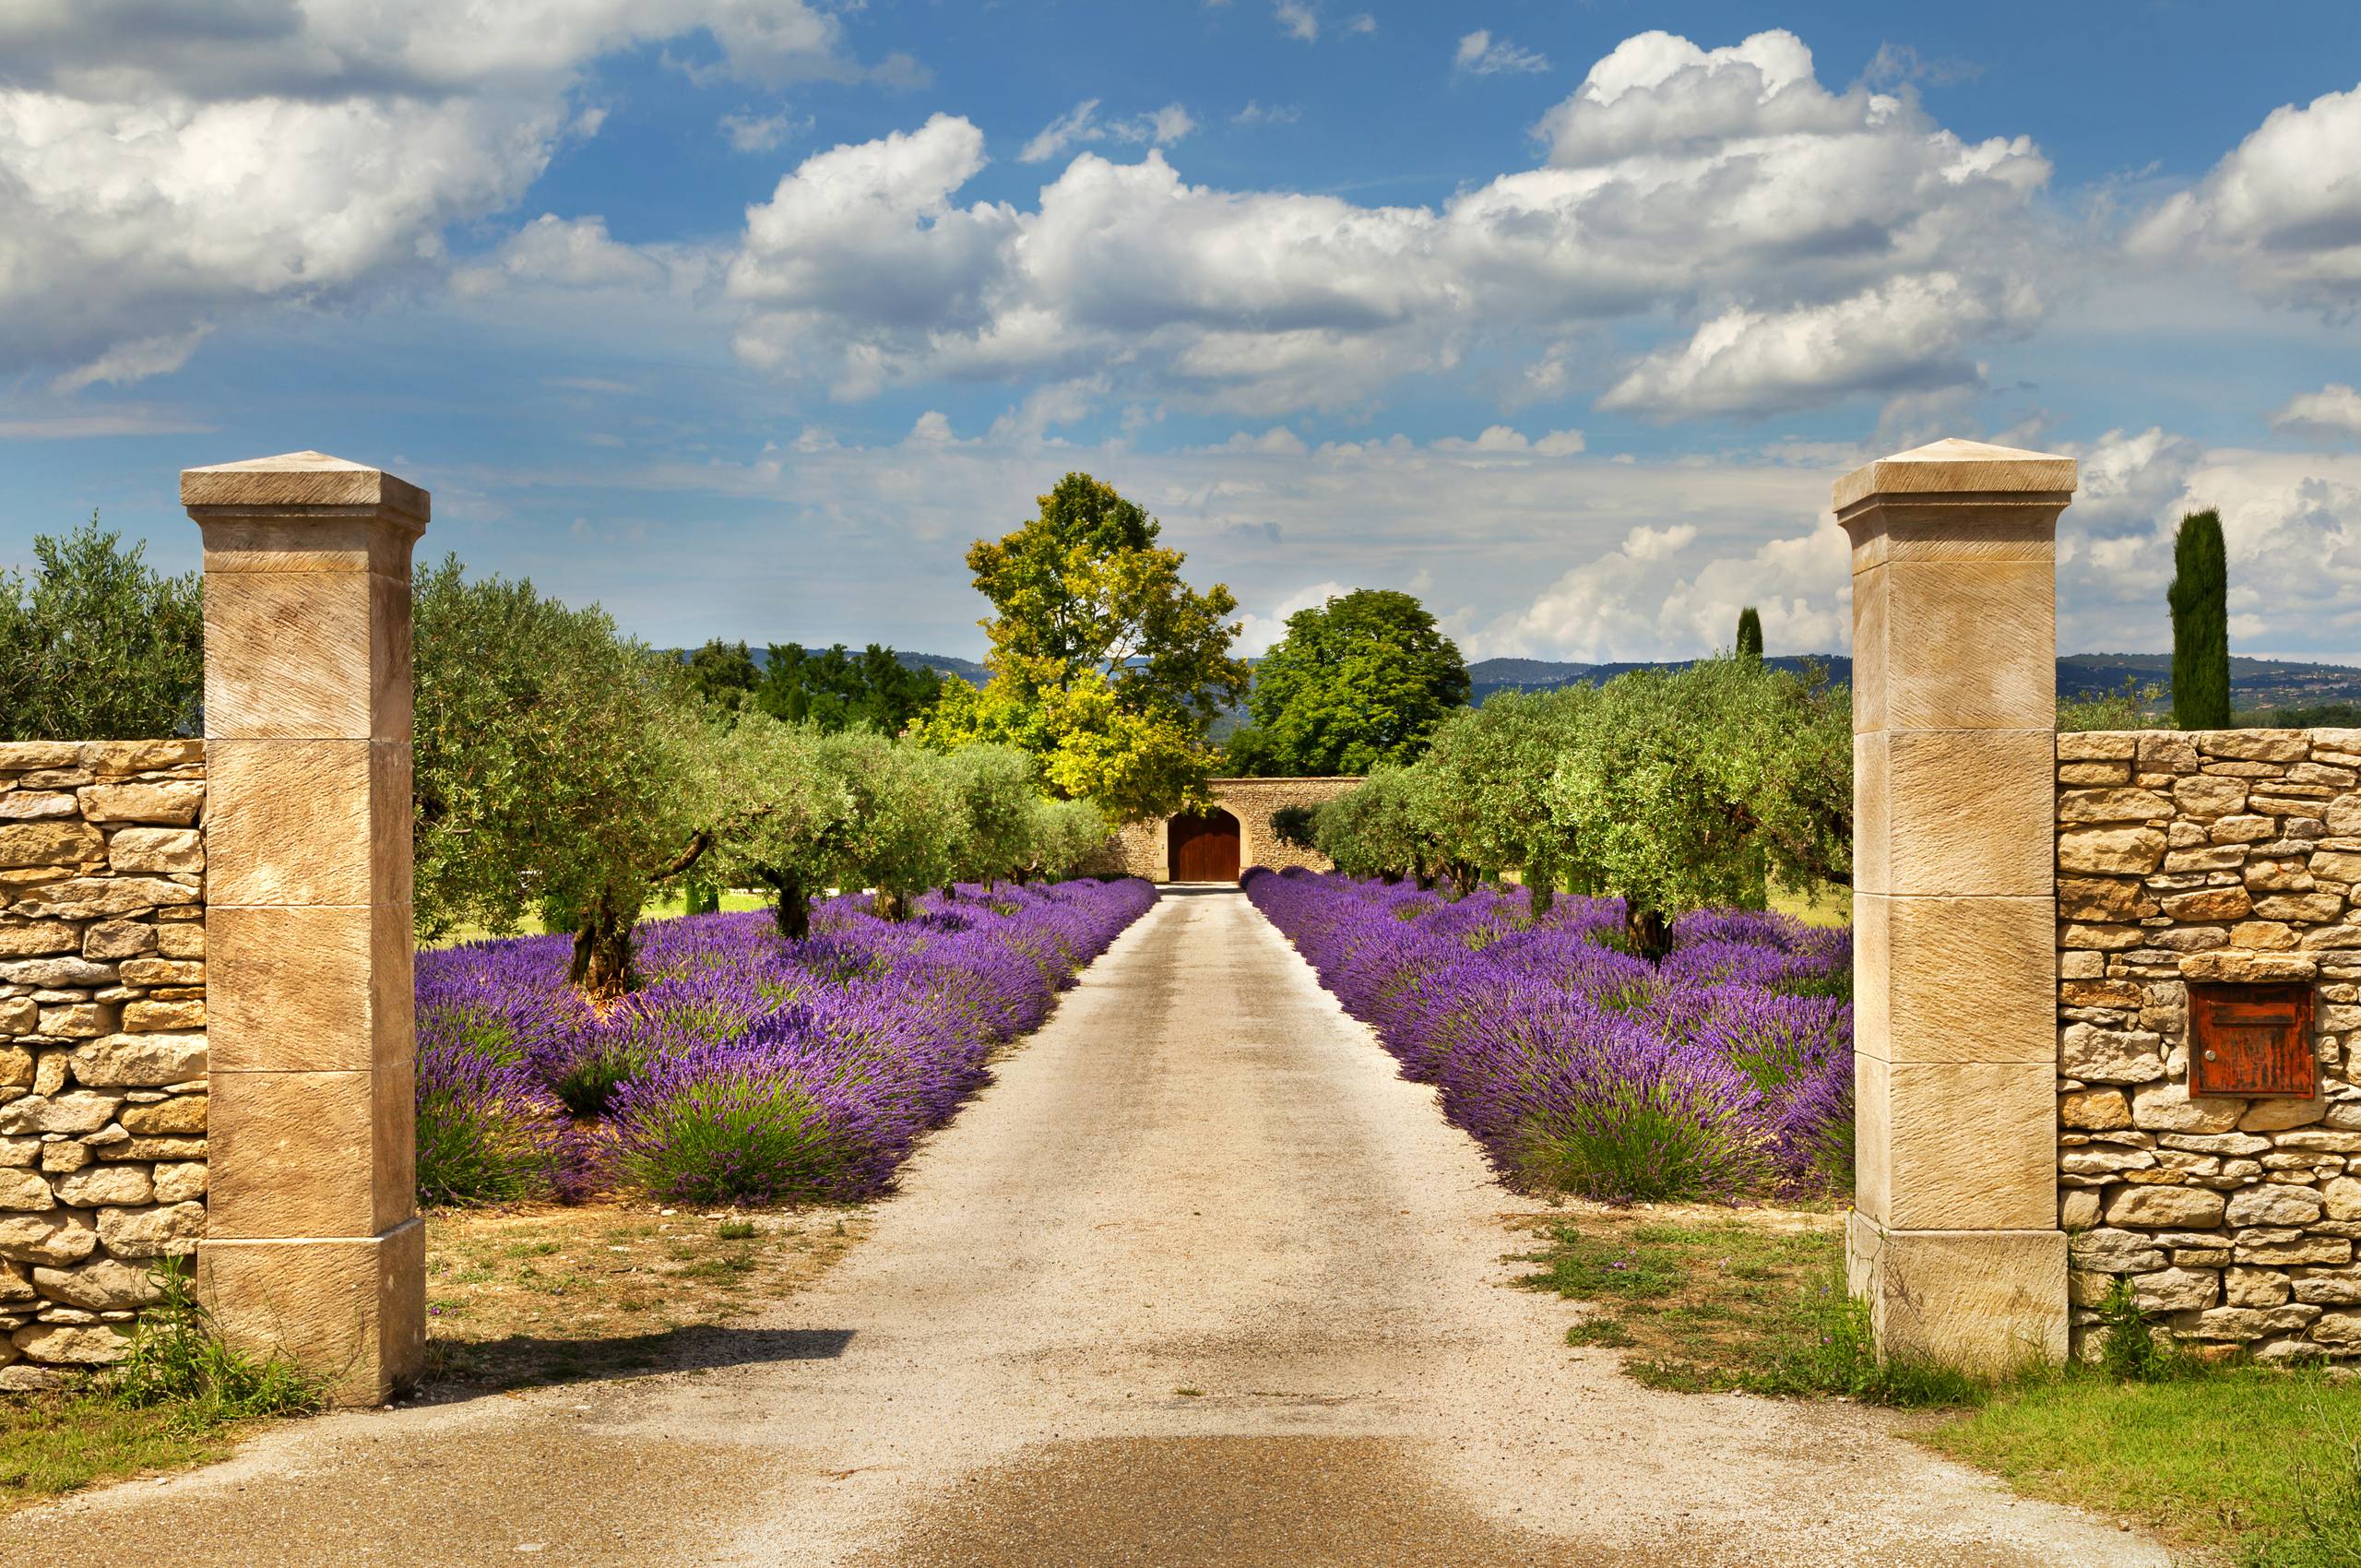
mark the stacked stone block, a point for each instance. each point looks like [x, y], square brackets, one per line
[2209, 856]
[102, 1043]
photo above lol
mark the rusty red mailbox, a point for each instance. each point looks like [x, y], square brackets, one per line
[2254, 1040]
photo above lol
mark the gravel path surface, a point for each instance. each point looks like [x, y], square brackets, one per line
[1198, 1281]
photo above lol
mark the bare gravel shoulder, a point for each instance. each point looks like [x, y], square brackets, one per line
[1199, 1280]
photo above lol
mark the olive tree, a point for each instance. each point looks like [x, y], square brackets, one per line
[997, 788]
[557, 767]
[780, 814]
[1480, 790]
[98, 645]
[1372, 829]
[1681, 788]
[907, 817]
[1064, 835]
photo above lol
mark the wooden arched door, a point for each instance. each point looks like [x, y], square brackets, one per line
[1204, 848]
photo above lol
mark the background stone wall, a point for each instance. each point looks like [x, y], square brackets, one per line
[1143, 849]
[102, 1053]
[2228, 855]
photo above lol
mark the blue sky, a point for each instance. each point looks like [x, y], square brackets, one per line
[743, 316]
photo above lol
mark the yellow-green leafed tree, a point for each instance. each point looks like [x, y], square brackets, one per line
[1107, 668]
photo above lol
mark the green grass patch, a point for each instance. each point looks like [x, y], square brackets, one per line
[53, 1444]
[2260, 1467]
[179, 1396]
[2264, 1463]
[1827, 905]
[1728, 1305]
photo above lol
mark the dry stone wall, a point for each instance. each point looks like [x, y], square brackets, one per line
[2226, 856]
[102, 1050]
[1143, 849]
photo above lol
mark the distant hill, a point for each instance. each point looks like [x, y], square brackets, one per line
[966, 670]
[2256, 684]
[1492, 676]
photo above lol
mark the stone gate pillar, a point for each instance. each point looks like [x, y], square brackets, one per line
[1954, 1237]
[313, 1244]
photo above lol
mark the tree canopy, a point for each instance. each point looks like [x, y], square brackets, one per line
[98, 645]
[1107, 668]
[1673, 789]
[1084, 589]
[556, 766]
[830, 688]
[1357, 683]
[835, 689]
[1682, 789]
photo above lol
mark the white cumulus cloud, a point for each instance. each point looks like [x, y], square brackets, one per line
[2283, 207]
[1812, 244]
[161, 165]
[2334, 409]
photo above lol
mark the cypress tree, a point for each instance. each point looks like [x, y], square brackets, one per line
[1757, 894]
[2199, 598]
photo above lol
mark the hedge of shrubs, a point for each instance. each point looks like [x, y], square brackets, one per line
[749, 1068]
[1725, 1071]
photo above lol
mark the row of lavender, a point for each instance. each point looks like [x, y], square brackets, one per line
[1726, 1071]
[748, 1068]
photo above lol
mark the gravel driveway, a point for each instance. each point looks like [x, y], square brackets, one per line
[1198, 1281]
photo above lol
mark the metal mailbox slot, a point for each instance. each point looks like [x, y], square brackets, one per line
[2252, 1040]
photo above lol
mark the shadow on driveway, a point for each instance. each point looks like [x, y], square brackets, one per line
[458, 1371]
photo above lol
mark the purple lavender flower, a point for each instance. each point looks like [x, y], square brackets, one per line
[1725, 1072]
[753, 1069]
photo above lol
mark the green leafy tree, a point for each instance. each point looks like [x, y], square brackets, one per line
[1749, 648]
[559, 766]
[1087, 744]
[2200, 601]
[1482, 782]
[1374, 829]
[1357, 683]
[1296, 826]
[724, 674]
[903, 832]
[1107, 667]
[1065, 834]
[1750, 634]
[793, 816]
[835, 689]
[998, 790]
[98, 645]
[1675, 785]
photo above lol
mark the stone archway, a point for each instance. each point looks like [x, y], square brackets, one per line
[1204, 847]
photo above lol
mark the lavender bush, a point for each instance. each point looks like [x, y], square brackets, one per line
[751, 1068]
[1725, 1071]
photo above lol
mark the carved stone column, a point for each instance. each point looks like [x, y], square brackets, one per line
[313, 1243]
[1955, 1238]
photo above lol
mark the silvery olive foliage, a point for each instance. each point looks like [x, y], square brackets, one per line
[1674, 789]
[98, 645]
[566, 770]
